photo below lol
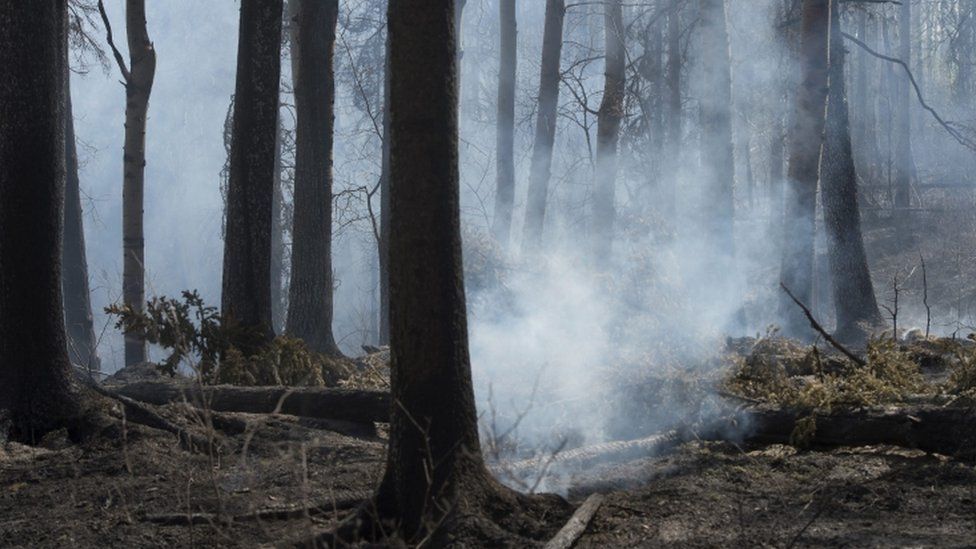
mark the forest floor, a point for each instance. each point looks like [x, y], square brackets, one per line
[284, 478]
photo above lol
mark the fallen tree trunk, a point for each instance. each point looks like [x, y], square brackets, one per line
[360, 406]
[936, 429]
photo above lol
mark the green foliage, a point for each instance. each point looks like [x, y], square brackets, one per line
[197, 335]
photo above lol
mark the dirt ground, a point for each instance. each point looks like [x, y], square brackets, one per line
[129, 493]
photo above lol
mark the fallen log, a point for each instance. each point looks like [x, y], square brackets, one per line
[585, 456]
[568, 534]
[359, 406]
[935, 429]
[341, 502]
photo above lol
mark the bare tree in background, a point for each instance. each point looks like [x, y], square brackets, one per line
[718, 161]
[505, 140]
[805, 143]
[903, 163]
[610, 115]
[545, 128]
[246, 296]
[138, 77]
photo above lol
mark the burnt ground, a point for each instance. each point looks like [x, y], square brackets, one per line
[107, 493]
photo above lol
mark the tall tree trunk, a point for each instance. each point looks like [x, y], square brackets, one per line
[675, 130]
[435, 474]
[545, 127]
[278, 301]
[246, 296]
[806, 139]
[383, 246]
[718, 160]
[82, 346]
[138, 86]
[36, 389]
[776, 182]
[505, 138]
[610, 115]
[854, 302]
[310, 292]
[903, 125]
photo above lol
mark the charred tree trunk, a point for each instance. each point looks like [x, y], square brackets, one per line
[138, 85]
[718, 160]
[806, 139]
[310, 292]
[610, 115]
[246, 296]
[545, 127]
[903, 126]
[36, 389]
[82, 345]
[854, 302]
[505, 139]
[434, 468]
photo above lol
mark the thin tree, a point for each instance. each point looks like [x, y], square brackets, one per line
[505, 137]
[854, 301]
[310, 300]
[609, 117]
[718, 160]
[805, 143]
[675, 129]
[903, 164]
[138, 78]
[383, 246]
[37, 393]
[545, 127]
[82, 345]
[246, 298]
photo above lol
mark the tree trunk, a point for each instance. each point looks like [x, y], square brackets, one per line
[505, 138]
[718, 160]
[776, 182]
[36, 389]
[545, 127]
[806, 139]
[854, 302]
[903, 126]
[610, 115]
[82, 346]
[138, 86]
[246, 296]
[675, 130]
[383, 246]
[279, 305]
[310, 292]
[434, 464]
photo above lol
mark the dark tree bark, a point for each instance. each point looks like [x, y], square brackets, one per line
[434, 468]
[82, 345]
[505, 139]
[854, 302]
[138, 85]
[310, 300]
[545, 127]
[36, 389]
[805, 143]
[718, 160]
[246, 296]
[609, 116]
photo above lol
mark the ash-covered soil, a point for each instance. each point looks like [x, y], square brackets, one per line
[135, 492]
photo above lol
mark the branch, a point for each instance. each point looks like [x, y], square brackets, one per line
[115, 51]
[816, 326]
[956, 134]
